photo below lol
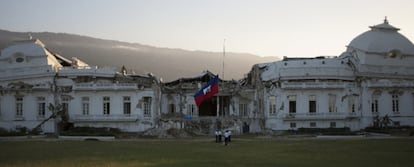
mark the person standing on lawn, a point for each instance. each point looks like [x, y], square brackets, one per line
[226, 137]
[217, 135]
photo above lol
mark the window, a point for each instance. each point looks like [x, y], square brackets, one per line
[292, 104]
[19, 59]
[191, 109]
[171, 108]
[374, 106]
[395, 103]
[41, 107]
[353, 108]
[19, 107]
[259, 107]
[351, 103]
[243, 110]
[312, 104]
[293, 125]
[332, 101]
[65, 104]
[106, 105]
[85, 105]
[127, 105]
[272, 105]
[147, 106]
[333, 125]
[312, 124]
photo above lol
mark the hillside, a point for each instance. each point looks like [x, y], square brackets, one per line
[166, 63]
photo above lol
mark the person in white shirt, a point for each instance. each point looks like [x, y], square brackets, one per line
[226, 137]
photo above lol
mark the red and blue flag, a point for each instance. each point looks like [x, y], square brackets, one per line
[207, 91]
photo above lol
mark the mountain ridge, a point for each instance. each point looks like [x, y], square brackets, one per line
[167, 63]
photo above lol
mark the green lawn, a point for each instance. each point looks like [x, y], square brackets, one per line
[283, 153]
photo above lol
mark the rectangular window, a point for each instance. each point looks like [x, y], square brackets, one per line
[243, 109]
[85, 105]
[312, 104]
[312, 124]
[171, 108]
[272, 105]
[19, 106]
[147, 106]
[191, 109]
[351, 103]
[333, 125]
[332, 101]
[41, 107]
[395, 103]
[293, 125]
[259, 106]
[127, 105]
[65, 104]
[292, 104]
[106, 105]
[374, 106]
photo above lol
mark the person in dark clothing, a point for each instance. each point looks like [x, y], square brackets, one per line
[217, 135]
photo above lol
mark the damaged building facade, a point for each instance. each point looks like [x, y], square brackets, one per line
[32, 78]
[233, 108]
[372, 79]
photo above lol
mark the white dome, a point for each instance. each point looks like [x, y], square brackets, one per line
[382, 38]
[25, 48]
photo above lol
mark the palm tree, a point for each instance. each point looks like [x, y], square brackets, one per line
[386, 120]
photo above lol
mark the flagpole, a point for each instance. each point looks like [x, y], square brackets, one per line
[221, 99]
[224, 55]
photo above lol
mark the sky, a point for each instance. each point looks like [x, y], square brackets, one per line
[293, 28]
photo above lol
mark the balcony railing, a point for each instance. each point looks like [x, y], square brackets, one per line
[188, 86]
[318, 116]
[339, 71]
[400, 84]
[316, 85]
[87, 70]
[26, 72]
[104, 118]
[105, 86]
[42, 86]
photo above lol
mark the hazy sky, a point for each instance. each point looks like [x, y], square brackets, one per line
[291, 28]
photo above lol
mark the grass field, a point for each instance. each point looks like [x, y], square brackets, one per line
[253, 152]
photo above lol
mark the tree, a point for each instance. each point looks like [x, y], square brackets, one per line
[382, 122]
[386, 121]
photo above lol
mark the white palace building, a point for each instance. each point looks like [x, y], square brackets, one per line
[373, 78]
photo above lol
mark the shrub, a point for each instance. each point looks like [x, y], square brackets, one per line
[326, 131]
[91, 131]
[4, 132]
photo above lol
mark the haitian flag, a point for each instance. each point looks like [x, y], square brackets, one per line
[207, 91]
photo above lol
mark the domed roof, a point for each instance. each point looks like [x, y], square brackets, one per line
[26, 48]
[382, 38]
